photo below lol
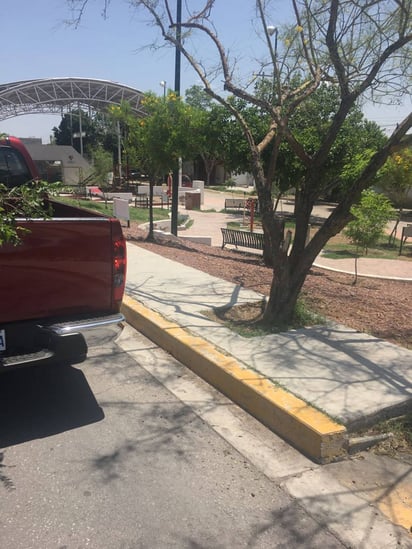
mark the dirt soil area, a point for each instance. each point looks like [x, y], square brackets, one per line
[378, 307]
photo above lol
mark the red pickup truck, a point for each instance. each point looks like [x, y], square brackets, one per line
[61, 287]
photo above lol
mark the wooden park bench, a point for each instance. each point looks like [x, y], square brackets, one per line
[235, 203]
[242, 238]
[250, 240]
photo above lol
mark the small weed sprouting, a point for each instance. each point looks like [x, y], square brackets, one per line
[247, 319]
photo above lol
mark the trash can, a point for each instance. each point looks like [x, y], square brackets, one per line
[192, 200]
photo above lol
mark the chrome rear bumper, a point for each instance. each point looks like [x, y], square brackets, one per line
[33, 343]
[96, 331]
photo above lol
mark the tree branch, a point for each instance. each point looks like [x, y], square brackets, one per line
[333, 48]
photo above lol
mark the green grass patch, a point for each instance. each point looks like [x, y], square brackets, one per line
[235, 225]
[399, 426]
[141, 215]
[400, 444]
[247, 319]
[344, 250]
[184, 221]
[304, 316]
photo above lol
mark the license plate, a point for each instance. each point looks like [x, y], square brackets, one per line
[2, 340]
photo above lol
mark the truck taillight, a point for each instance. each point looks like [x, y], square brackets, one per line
[119, 266]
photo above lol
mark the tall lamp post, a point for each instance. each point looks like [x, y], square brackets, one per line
[163, 83]
[175, 184]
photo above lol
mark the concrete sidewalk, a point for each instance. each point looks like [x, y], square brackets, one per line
[351, 377]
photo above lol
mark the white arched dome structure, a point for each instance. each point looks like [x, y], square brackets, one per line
[57, 95]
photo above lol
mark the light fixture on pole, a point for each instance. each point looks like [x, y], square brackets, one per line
[163, 83]
[272, 30]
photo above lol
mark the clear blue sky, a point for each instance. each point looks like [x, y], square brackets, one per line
[36, 43]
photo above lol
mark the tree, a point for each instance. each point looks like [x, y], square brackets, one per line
[363, 49]
[102, 165]
[97, 132]
[218, 137]
[24, 201]
[210, 125]
[310, 124]
[395, 177]
[395, 180]
[156, 142]
[371, 216]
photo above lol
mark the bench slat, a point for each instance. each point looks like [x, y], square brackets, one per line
[235, 203]
[242, 238]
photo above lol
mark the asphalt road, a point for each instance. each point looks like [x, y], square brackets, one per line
[131, 450]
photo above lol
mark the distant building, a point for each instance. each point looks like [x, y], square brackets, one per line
[58, 162]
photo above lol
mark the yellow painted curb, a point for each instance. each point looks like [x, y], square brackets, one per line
[312, 432]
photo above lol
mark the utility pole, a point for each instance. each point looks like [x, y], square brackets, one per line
[175, 184]
[80, 131]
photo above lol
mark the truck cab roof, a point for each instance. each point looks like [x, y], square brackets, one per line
[16, 164]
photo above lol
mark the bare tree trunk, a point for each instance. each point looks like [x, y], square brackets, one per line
[209, 165]
[291, 270]
[284, 292]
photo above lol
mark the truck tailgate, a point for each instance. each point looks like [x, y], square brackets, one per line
[62, 267]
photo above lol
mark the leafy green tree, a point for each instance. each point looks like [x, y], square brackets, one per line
[310, 124]
[156, 142]
[166, 132]
[196, 97]
[395, 177]
[371, 216]
[363, 49]
[98, 131]
[218, 137]
[395, 180]
[224, 140]
[102, 165]
[24, 201]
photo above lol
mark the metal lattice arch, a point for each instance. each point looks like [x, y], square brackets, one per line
[57, 95]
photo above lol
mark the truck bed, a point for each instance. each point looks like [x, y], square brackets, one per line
[68, 269]
[62, 267]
